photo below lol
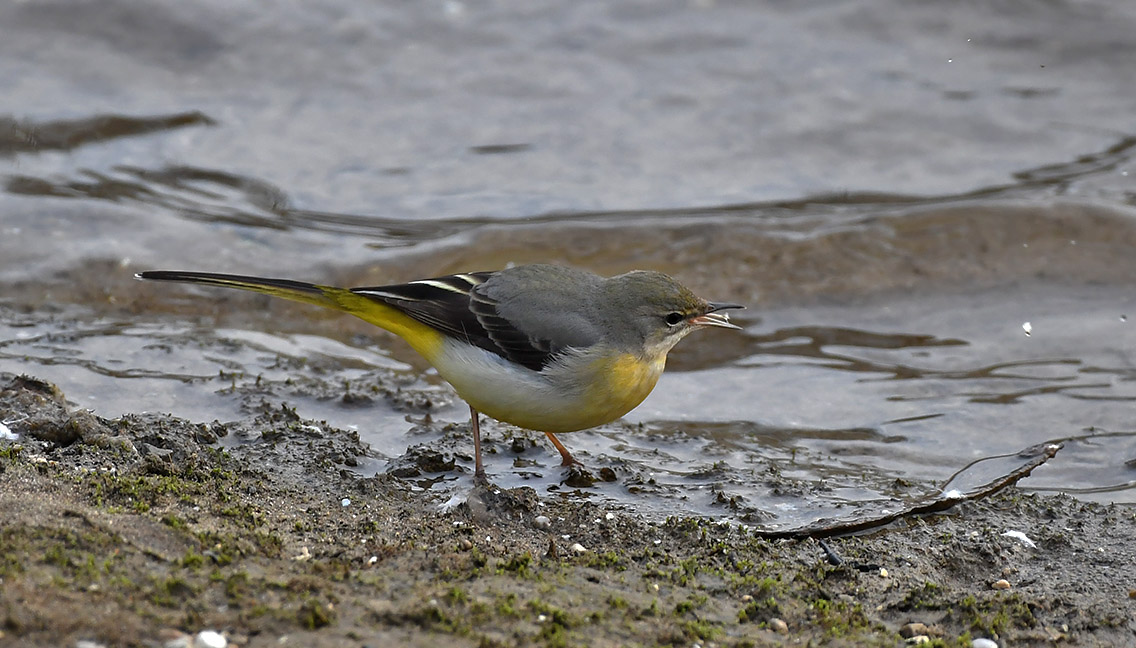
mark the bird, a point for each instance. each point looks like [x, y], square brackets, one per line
[545, 347]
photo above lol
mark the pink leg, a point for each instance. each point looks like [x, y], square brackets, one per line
[567, 457]
[475, 425]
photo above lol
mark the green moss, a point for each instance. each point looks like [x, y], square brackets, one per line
[518, 565]
[236, 586]
[56, 554]
[759, 610]
[701, 630]
[507, 605]
[927, 596]
[172, 592]
[607, 560]
[552, 615]
[173, 521]
[840, 618]
[11, 452]
[996, 614]
[693, 602]
[617, 602]
[313, 614]
[269, 544]
[555, 623]
[456, 595]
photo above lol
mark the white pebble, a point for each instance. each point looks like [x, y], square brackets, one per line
[779, 626]
[1027, 328]
[210, 639]
[577, 548]
[1018, 535]
[1001, 584]
[983, 642]
[542, 522]
[345, 502]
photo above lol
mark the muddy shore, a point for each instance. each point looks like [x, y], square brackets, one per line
[147, 530]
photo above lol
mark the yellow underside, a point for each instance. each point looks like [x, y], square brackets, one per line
[581, 393]
[620, 384]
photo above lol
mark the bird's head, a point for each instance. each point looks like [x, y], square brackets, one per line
[651, 312]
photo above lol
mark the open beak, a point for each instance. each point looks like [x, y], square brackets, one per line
[714, 318]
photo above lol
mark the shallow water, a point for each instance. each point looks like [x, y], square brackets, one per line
[895, 190]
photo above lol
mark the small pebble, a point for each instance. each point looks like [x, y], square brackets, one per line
[464, 544]
[746, 598]
[345, 502]
[883, 573]
[577, 548]
[913, 630]
[210, 639]
[542, 522]
[918, 639]
[983, 642]
[778, 626]
[1001, 584]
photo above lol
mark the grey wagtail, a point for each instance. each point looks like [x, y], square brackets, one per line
[543, 347]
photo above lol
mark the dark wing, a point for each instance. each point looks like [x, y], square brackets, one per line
[510, 341]
[451, 305]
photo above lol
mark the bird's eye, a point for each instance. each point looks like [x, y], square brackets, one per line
[672, 319]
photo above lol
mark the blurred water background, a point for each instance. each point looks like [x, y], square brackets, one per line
[928, 207]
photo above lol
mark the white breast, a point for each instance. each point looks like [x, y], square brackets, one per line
[549, 400]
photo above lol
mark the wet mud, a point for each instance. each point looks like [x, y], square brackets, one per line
[147, 529]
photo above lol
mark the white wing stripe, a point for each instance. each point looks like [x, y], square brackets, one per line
[381, 294]
[440, 285]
